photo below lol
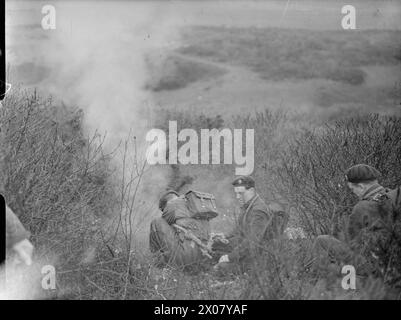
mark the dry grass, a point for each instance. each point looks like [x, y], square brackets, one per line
[279, 54]
[176, 73]
[66, 190]
[300, 163]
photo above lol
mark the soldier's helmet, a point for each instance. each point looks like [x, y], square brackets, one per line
[361, 173]
[244, 181]
[166, 197]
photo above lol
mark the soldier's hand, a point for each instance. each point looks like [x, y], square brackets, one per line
[220, 266]
[219, 243]
[24, 250]
[219, 237]
[222, 262]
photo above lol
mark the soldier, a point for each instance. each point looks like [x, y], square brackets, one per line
[169, 240]
[17, 238]
[257, 224]
[373, 213]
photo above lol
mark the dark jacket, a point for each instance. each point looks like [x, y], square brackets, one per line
[256, 224]
[370, 213]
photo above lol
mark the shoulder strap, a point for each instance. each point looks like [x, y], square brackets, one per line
[250, 206]
[397, 204]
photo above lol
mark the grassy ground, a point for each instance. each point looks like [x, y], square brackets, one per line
[66, 190]
[333, 73]
[175, 73]
[278, 54]
[89, 210]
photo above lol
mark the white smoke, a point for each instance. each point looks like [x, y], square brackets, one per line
[97, 61]
[21, 282]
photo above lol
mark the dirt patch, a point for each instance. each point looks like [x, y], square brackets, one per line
[177, 72]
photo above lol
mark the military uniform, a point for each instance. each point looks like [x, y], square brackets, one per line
[367, 214]
[257, 224]
[169, 244]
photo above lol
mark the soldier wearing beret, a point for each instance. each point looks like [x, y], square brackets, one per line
[367, 214]
[257, 223]
[363, 182]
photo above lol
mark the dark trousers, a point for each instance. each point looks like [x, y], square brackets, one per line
[329, 252]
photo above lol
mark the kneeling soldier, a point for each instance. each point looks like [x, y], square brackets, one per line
[257, 224]
[176, 238]
[375, 215]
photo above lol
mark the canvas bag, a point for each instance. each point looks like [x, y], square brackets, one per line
[202, 205]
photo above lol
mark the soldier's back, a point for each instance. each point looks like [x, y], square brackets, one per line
[184, 217]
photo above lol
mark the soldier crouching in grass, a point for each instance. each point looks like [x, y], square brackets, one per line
[373, 228]
[257, 224]
[179, 238]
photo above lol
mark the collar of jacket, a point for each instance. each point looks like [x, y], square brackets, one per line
[250, 202]
[372, 191]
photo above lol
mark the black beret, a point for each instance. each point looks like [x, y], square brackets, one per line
[164, 197]
[361, 173]
[245, 181]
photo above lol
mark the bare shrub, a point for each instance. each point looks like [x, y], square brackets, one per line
[85, 210]
[62, 185]
[311, 172]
